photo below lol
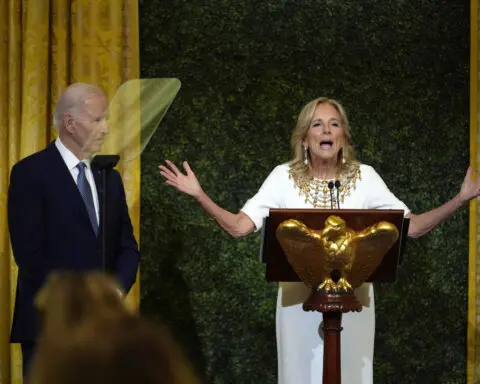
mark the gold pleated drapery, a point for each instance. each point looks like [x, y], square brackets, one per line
[473, 339]
[46, 45]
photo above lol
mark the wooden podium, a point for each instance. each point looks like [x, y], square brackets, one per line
[332, 305]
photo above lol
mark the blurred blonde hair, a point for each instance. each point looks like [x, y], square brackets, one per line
[90, 336]
[346, 156]
[69, 298]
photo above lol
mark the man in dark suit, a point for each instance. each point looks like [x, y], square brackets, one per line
[53, 210]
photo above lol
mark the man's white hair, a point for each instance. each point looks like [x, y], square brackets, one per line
[72, 98]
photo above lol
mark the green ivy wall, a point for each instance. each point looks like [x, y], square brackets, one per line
[401, 69]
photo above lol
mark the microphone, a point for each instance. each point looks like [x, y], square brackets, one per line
[330, 187]
[337, 185]
[105, 161]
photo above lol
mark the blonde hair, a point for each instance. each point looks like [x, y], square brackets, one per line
[69, 298]
[90, 336]
[347, 159]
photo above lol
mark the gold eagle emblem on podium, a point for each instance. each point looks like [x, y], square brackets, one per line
[335, 259]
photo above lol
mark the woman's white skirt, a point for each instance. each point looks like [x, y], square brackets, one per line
[300, 340]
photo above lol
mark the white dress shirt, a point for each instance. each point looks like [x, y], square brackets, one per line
[72, 161]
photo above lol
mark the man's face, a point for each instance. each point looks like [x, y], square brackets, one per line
[89, 125]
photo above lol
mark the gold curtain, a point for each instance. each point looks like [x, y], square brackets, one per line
[46, 45]
[473, 338]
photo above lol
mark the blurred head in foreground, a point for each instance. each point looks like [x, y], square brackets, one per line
[90, 336]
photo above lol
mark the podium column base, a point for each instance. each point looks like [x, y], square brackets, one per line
[332, 306]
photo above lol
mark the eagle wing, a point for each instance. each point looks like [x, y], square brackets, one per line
[304, 250]
[371, 245]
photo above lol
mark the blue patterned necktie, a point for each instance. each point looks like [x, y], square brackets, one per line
[86, 192]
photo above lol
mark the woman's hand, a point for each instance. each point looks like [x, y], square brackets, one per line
[184, 183]
[470, 187]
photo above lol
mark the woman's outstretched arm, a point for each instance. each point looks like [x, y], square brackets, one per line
[235, 224]
[425, 222]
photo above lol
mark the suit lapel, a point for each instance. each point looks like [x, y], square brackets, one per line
[63, 181]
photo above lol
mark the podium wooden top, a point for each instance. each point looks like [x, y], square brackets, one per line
[278, 267]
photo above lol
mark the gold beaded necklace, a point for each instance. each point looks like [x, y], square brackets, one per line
[317, 193]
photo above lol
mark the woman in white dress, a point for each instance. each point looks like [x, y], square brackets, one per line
[322, 152]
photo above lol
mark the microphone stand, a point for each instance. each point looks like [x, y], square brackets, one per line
[337, 186]
[104, 164]
[330, 187]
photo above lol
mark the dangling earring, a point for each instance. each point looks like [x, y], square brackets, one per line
[342, 158]
[305, 155]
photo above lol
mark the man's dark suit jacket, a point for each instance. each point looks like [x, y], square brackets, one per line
[50, 230]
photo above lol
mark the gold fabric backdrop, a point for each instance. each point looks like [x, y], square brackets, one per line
[46, 45]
